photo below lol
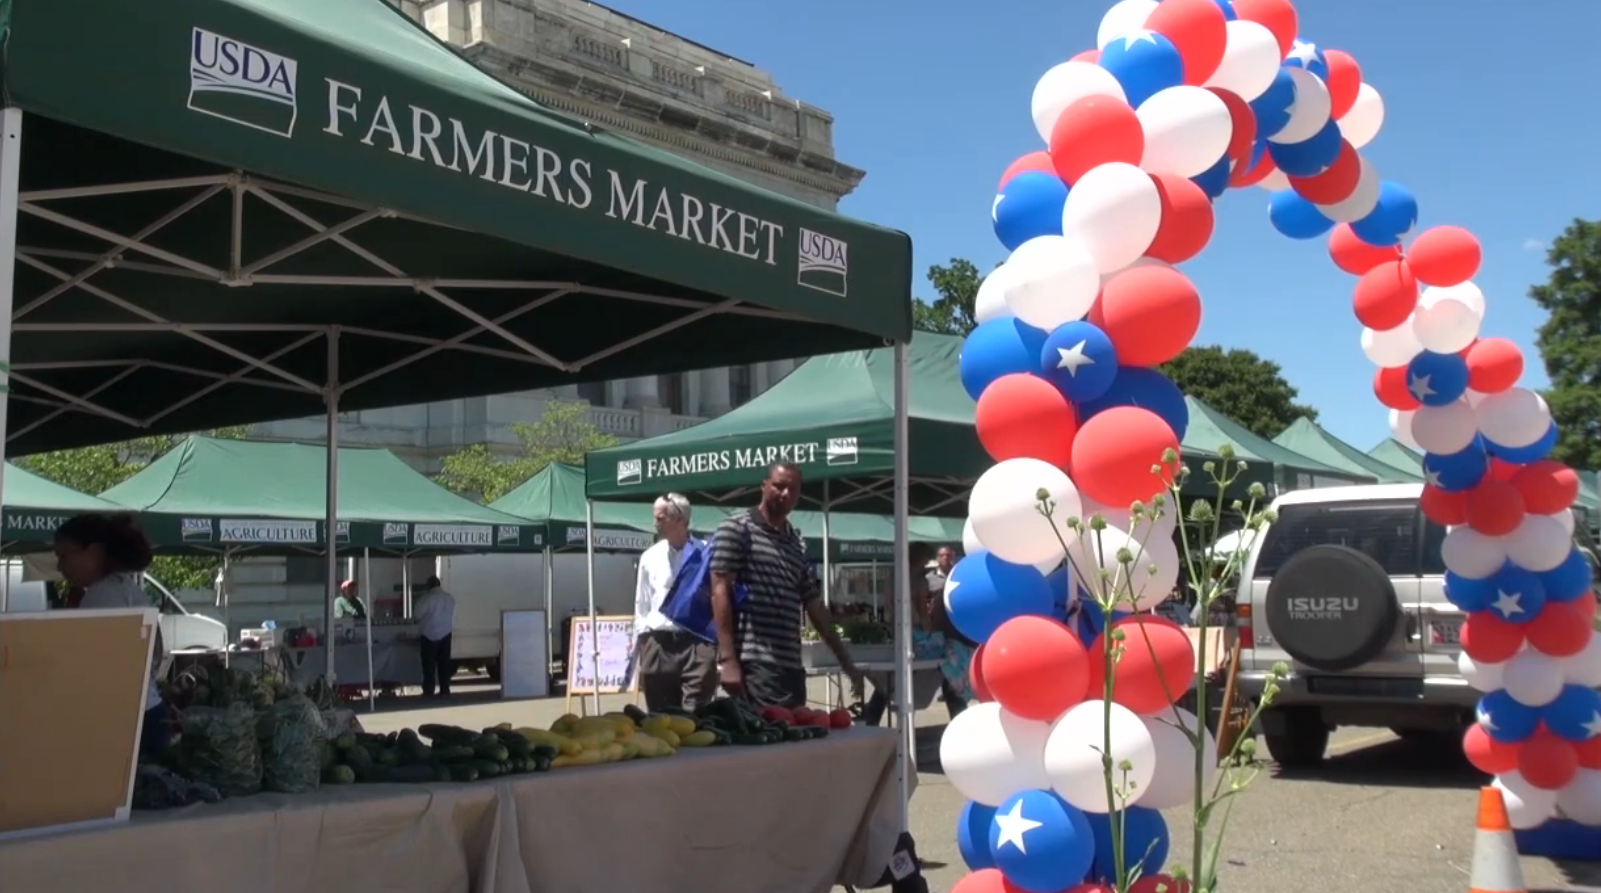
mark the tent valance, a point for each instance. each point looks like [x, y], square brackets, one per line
[35, 507]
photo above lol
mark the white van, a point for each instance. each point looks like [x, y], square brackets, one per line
[32, 584]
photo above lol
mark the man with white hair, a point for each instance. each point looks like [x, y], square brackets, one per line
[676, 668]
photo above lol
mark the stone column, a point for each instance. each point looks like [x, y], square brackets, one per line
[638, 392]
[715, 396]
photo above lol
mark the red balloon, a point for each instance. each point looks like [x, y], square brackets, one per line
[1277, 16]
[1159, 883]
[1091, 56]
[1151, 313]
[1156, 664]
[1589, 753]
[1547, 761]
[1186, 219]
[1335, 184]
[1114, 457]
[1494, 508]
[1444, 508]
[1547, 486]
[1033, 161]
[1091, 888]
[1444, 255]
[1489, 639]
[1242, 136]
[1036, 667]
[1501, 470]
[1355, 256]
[1385, 295]
[1198, 29]
[1389, 385]
[1494, 365]
[987, 880]
[1022, 415]
[975, 672]
[1345, 78]
[1562, 629]
[1488, 755]
[1247, 175]
[1093, 131]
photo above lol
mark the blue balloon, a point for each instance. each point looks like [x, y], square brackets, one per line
[1080, 360]
[1272, 108]
[1214, 181]
[1030, 204]
[1091, 621]
[1307, 55]
[1518, 594]
[973, 836]
[1437, 379]
[984, 592]
[1309, 158]
[1228, 10]
[1147, 389]
[1568, 580]
[1001, 346]
[1145, 842]
[1145, 63]
[1523, 455]
[1042, 843]
[1469, 594]
[1392, 218]
[1060, 581]
[1296, 217]
[1457, 471]
[1504, 719]
[1575, 714]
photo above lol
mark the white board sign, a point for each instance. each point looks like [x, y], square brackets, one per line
[524, 663]
[616, 665]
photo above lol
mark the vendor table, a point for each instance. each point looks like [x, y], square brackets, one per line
[395, 663]
[805, 817]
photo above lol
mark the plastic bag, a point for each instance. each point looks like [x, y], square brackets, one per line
[156, 788]
[341, 721]
[292, 734]
[219, 748]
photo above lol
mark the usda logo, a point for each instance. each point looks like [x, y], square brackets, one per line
[842, 451]
[196, 530]
[396, 534]
[630, 471]
[237, 82]
[822, 263]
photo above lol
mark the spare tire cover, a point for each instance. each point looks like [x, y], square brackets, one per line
[1332, 608]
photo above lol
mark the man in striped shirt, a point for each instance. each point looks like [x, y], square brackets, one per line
[758, 641]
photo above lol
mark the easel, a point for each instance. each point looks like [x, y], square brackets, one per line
[1234, 717]
[578, 639]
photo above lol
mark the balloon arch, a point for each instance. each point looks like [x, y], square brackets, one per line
[1182, 100]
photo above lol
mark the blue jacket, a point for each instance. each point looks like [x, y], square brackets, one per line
[689, 596]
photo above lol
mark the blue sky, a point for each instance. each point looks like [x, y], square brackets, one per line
[1490, 117]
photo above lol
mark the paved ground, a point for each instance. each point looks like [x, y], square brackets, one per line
[1382, 815]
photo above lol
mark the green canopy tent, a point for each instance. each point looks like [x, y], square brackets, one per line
[1210, 431]
[35, 507]
[1394, 453]
[1307, 438]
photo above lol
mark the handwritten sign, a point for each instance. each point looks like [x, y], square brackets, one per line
[615, 670]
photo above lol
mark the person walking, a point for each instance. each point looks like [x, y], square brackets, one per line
[955, 686]
[677, 669]
[436, 620]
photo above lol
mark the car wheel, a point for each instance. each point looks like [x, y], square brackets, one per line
[1298, 740]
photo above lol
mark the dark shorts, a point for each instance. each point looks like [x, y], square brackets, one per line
[770, 685]
[676, 669]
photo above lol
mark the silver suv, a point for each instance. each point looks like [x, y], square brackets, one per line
[1347, 587]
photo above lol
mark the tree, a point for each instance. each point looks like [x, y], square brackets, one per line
[95, 469]
[952, 312]
[1241, 385]
[563, 434]
[1570, 341]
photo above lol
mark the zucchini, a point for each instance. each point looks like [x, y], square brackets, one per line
[815, 732]
[490, 748]
[453, 754]
[796, 734]
[441, 772]
[463, 772]
[486, 768]
[514, 743]
[540, 763]
[450, 736]
[542, 751]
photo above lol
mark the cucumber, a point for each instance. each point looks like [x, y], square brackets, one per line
[795, 734]
[490, 748]
[542, 751]
[388, 756]
[515, 744]
[338, 775]
[540, 763]
[486, 768]
[815, 732]
[450, 736]
[463, 772]
[441, 772]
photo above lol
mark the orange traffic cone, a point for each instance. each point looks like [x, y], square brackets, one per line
[1495, 851]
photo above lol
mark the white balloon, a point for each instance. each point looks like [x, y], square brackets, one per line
[1142, 262]
[1391, 347]
[1309, 113]
[1187, 130]
[970, 543]
[1532, 679]
[1276, 181]
[1073, 755]
[1173, 782]
[1584, 667]
[988, 754]
[1124, 16]
[990, 302]
[1136, 586]
[1526, 805]
[1005, 513]
[1514, 418]
[1483, 677]
[1115, 211]
[1469, 553]
[1443, 430]
[1066, 84]
[1466, 292]
[1051, 280]
[1446, 326]
[1362, 200]
[1401, 427]
[1566, 519]
[1473, 398]
[1538, 544]
[1123, 519]
[1580, 799]
[1250, 60]
[1361, 124]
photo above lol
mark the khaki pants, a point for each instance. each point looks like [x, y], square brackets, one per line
[676, 669]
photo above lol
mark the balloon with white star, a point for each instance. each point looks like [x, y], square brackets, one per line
[1144, 62]
[1310, 110]
[1574, 714]
[1459, 471]
[1079, 359]
[1124, 16]
[1519, 595]
[1040, 842]
[1436, 379]
[1506, 720]
[1306, 54]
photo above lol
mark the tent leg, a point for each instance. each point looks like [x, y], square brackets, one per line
[366, 597]
[10, 167]
[906, 740]
[405, 584]
[225, 599]
[828, 566]
[550, 612]
[330, 531]
[594, 623]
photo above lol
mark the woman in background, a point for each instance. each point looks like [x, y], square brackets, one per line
[933, 638]
[106, 555]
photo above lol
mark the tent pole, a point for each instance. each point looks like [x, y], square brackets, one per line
[405, 584]
[10, 166]
[550, 608]
[366, 596]
[828, 567]
[225, 599]
[905, 741]
[330, 534]
[594, 623]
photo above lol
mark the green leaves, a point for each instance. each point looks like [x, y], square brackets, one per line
[1570, 341]
[1241, 385]
[952, 312]
[562, 435]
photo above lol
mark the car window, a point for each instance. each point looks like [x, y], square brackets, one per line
[1386, 532]
[1433, 540]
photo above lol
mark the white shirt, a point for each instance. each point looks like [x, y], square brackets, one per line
[436, 616]
[125, 591]
[658, 565]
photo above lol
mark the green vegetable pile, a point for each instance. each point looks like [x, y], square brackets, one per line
[735, 722]
[455, 754]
